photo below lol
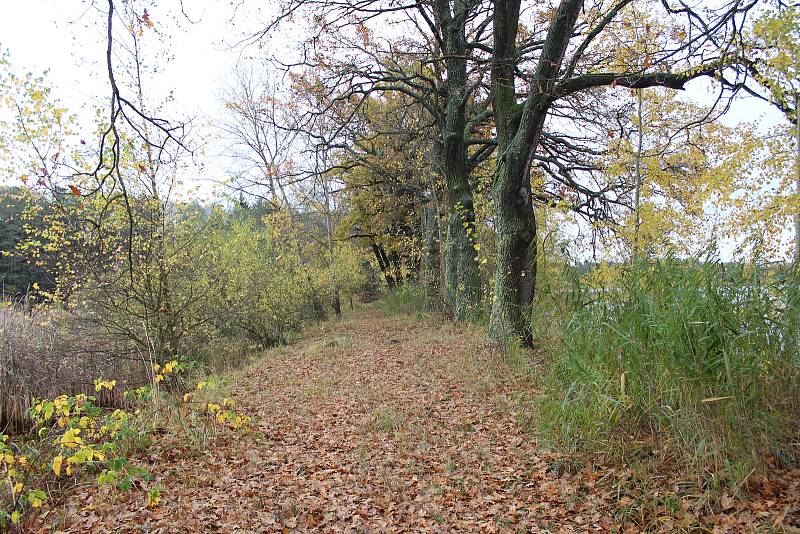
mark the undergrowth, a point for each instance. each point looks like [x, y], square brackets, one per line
[696, 359]
[423, 302]
[74, 441]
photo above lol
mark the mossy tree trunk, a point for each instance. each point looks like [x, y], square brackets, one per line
[519, 128]
[462, 278]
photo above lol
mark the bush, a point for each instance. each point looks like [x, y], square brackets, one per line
[267, 285]
[74, 441]
[184, 275]
[699, 356]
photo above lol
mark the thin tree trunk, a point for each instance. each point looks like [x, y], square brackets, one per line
[637, 194]
[797, 179]
[286, 202]
[335, 301]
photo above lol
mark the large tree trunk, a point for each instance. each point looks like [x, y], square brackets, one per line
[462, 278]
[430, 254]
[514, 227]
[519, 129]
[515, 276]
[434, 271]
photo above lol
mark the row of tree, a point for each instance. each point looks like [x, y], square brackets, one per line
[453, 138]
[459, 132]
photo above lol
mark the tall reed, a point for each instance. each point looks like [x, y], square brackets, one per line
[697, 356]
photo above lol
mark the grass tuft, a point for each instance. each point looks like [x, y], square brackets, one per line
[385, 418]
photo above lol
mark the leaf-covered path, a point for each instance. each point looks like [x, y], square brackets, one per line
[373, 423]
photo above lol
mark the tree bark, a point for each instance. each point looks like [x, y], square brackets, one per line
[515, 275]
[462, 278]
[430, 253]
[434, 271]
[519, 128]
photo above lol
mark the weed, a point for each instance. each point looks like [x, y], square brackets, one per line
[409, 300]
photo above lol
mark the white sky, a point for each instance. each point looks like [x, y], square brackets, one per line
[66, 37]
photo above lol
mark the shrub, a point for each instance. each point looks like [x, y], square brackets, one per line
[268, 285]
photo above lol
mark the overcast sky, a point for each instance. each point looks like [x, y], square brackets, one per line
[66, 37]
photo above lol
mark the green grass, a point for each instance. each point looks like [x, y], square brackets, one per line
[385, 418]
[409, 299]
[696, 358]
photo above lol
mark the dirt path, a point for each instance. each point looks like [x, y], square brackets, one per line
[374, 423]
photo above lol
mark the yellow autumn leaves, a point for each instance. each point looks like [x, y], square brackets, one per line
[100, 385]
[57, 461]
[74, 433]
[70, 438]
[163, 372]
